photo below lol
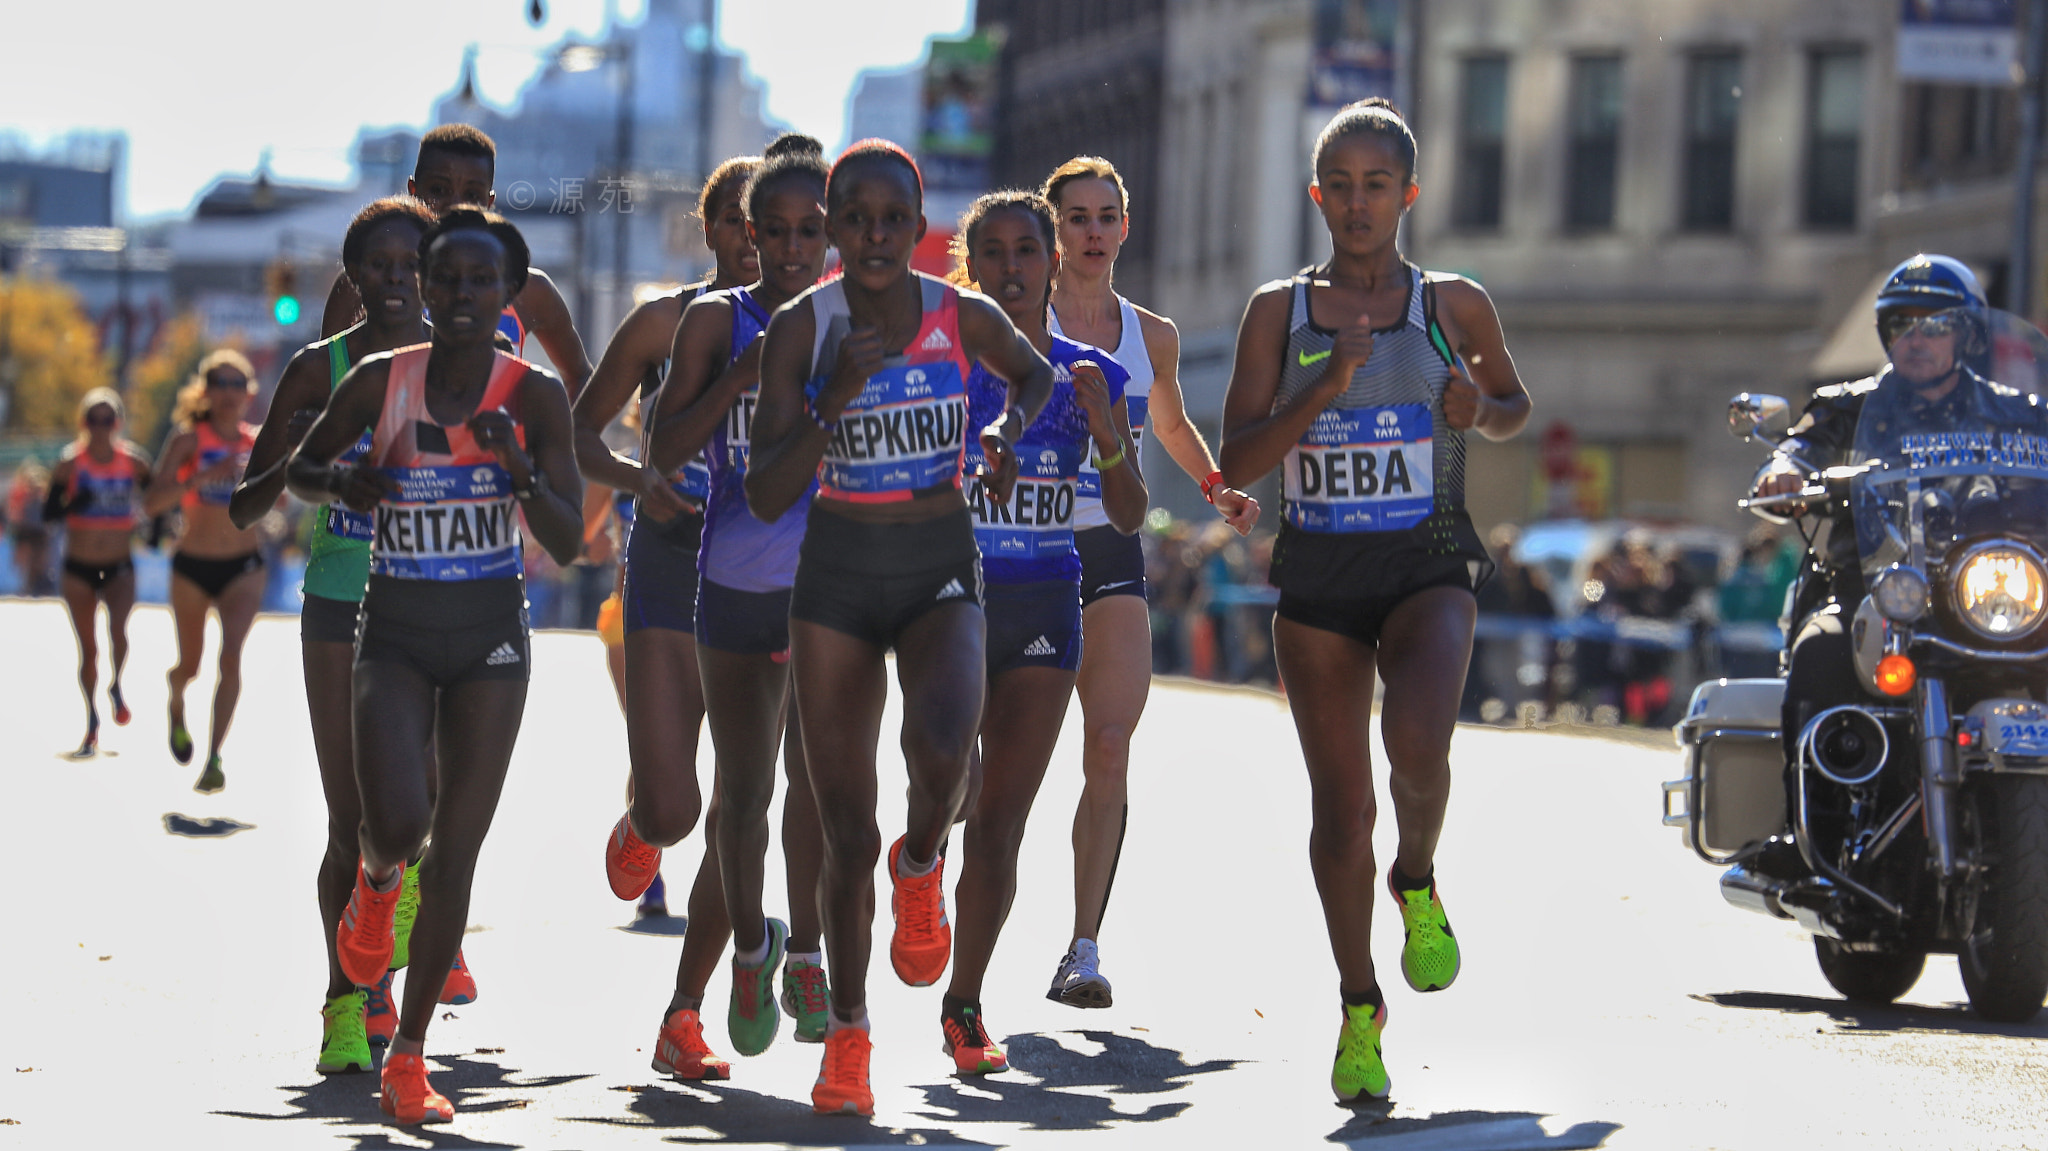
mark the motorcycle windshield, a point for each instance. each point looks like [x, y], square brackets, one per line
[1952, 465]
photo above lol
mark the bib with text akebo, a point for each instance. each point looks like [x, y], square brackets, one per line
[902, 434]
[1362, 470]
[1037, 522]
[448, 522]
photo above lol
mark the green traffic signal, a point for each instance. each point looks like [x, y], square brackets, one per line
[286, 310]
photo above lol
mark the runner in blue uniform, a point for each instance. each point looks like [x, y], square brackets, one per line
[747, 568]
[1006, 247]
[863, 393]
[1360, 377]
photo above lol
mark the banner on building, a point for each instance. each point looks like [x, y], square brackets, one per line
[1356, 50]
[1958, 42]
[958, 132]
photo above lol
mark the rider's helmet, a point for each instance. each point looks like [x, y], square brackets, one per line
[1936, 283]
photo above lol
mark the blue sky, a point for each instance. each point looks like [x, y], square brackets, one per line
[202, 87]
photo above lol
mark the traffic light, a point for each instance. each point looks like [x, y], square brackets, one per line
[281, 284]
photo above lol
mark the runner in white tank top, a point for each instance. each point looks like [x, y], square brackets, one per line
[1088, 198]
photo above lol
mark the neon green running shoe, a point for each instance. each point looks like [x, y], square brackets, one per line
[181, 741]
[212, 778]
[1359, 1070]
[752, 1019]
[806, 997]
[1429, 957]
[344, 1042]
[404, 915]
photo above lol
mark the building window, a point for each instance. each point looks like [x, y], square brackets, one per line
[1595, 142]
[1834, 136]
[1713, 106]
[1482, 142]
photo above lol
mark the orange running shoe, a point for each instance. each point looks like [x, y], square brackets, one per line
[380, 1015]
[362, 940]
[681, 1053]
[967, 1041]
[923, 940]
[842, 1086]
[460, 986]
[630, 862]
[408, 1097]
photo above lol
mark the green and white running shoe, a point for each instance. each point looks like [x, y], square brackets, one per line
[344, 1042]
[1359, 1070]
[807, 998]
[1429, 956]
[752, 1019]
[211, 778]
[404, 916]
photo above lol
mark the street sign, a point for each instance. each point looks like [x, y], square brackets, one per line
[1958, 42]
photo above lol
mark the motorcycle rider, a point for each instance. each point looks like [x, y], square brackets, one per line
[1934, 323]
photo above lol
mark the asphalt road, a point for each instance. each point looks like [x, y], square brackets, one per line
[164, 984]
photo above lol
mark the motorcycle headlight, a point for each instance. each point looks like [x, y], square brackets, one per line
[2001, 591]
[1900, 592]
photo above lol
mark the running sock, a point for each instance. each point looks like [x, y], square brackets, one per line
[388, 883]
[908, 868]
[835, 1022]
[814, 958]
[684, 1002]
[957, 1009]
[1370, 997]
[1403, 883]
[753, 957]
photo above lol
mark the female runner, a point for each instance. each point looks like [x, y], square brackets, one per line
[743, 609]
[887, 561]
[1087, 197]
[1033, 600]
[461, 435]
[380, 256]
[663, 697]
[94, 490]
[216, 565]
[1376, 561]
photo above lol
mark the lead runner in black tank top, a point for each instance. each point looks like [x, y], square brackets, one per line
[1363, 375]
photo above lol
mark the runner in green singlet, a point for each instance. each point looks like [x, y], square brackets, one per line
[380, 256]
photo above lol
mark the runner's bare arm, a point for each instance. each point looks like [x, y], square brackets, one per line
[541, 309]
[352, 410]
[1493, 400]
[701, 386]
[787, 443]
[164, 491]
[303, 389]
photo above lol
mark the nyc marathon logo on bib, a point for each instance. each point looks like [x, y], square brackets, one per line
[902, 434]
[1362, 470]
[219, 492]
[341, 522]
[453, 522]
[1038, 520]
[692, 481]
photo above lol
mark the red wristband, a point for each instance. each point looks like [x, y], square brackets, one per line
[1209, 485]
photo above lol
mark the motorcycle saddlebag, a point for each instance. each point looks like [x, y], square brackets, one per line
[1734, 784]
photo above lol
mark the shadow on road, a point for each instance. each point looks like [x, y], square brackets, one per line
[1912, 1018]
[186, 825]
[722, 1113]
[657, 925]
[474, 1086]
[1373, 1126]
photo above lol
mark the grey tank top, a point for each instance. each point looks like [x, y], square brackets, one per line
[1380, 458]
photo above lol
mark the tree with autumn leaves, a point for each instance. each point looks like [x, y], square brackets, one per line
[49, 356]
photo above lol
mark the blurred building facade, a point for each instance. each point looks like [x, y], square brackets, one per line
[1669, 200]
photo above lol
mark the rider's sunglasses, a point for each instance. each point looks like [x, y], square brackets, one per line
[1934, 327]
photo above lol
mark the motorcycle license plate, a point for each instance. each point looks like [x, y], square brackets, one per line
[2022, 738]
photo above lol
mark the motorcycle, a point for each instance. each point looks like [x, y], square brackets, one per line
[1911, 817]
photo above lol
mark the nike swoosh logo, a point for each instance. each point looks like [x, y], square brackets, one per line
[1307, 360]
[1117, 584]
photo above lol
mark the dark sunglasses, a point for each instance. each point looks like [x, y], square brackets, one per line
[101, 419]
[237, 383]
[1933, 327]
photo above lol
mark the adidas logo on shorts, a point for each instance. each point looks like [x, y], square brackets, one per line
[1039, 646]
[951, 589]
[501, 656]
[937, 342]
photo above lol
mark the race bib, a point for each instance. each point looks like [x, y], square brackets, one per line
[1090, 484]
[1038, 519]
[738, 441]
[454, 522]
[902, 434]
[692, 481]
[342, 523]
[219, 492]
[1362, 470]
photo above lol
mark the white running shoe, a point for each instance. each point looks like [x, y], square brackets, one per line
[1077, 983]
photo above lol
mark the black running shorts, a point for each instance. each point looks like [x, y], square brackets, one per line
[871, 581]
[451, 632]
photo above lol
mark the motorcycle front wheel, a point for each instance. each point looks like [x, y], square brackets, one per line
[2005, 958]
[1868, 976]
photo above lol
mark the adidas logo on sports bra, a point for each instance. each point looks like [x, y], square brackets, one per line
[936, 342]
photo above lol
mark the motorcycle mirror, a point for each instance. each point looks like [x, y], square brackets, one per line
[1754, 414]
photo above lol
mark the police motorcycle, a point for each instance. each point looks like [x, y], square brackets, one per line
[1904, 811]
